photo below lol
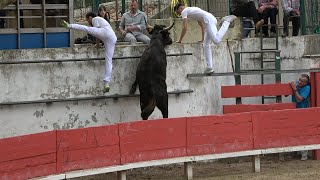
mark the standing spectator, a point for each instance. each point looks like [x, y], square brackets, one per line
[246, 8]
[268, 9]
[101, 30]
[301, 93]
[291, 9]
[133, 24]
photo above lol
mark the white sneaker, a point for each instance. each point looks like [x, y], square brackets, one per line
[208, 71]
[304, 155]
[230, 19]
[304, 158]
[106, 88]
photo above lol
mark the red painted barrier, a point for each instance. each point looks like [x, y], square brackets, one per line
[88, 148]
[67, 150]
[28, 156]
[286, 128]
[315, 100]
[239, 108]
[219, 134]
[153, 139]
[255, 90]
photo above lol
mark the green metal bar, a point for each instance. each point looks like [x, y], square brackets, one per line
[278, 75]
[262, 75]
[277, 37]
[237, 78]
[123, 9]
[140, 5]
[278, 66]
[303, 17]
[95, 5]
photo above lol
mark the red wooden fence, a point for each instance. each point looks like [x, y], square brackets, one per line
[66, 150]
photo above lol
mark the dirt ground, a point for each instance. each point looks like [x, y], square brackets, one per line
[234, 168]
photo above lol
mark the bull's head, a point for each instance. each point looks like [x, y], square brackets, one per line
[162, 33]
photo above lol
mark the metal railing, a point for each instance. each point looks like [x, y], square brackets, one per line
[34, 18]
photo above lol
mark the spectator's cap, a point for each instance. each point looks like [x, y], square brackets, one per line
[177, 6]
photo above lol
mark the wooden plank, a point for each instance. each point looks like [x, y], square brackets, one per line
[286, 128]
[313, 97]
[255, 90]
[27, 146]
[88, 148]
[219, 134]
[87, 138]
[150, 140]
[239, 108]
[29, 172]
[27, 162]
[317, 83]
[315, 93]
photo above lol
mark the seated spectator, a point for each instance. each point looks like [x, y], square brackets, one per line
[268, 9]
[291, 9]
[247, 25]
[102, 12]
[133, 24]
[246, 8]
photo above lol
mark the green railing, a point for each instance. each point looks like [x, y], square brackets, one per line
[309, 16]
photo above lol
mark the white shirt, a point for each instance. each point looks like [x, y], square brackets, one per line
[100, 22]
[194, 13]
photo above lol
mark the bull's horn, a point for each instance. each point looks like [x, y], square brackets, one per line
[168, 28]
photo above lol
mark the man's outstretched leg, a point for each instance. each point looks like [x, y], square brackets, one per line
[215, 36]
[109, 39]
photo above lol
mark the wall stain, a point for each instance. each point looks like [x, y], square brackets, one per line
[38, 114]
[94, 118]
[56, 126]
[87, 122]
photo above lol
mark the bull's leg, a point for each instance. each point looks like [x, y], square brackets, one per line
[133, 87]
[162, 104]
[147, 108]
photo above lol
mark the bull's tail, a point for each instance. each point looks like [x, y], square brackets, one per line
[133, 87]
[147, 110]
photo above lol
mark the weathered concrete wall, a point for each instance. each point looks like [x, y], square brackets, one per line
[81, 79]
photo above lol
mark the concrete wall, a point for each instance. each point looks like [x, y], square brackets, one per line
[81, 79]
[193, 34]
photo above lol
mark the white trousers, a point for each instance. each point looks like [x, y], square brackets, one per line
[212, 35]
[108, 37]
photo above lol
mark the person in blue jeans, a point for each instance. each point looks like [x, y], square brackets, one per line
[300, 96]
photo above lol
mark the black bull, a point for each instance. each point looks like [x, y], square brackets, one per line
[151, 74]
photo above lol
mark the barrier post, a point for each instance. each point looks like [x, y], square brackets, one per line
[256, 163]
[188, 170]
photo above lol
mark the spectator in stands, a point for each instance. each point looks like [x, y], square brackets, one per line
[301, 93]
[133, 24]
[291, 9]
[268, 9]
[246, 8]
[102, 12]
[101, 30]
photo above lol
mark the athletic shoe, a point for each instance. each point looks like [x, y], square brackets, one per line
[259, 24]
[208, 71]
[65, 24]
[106, 88]
[304, 158]
[230, 19]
